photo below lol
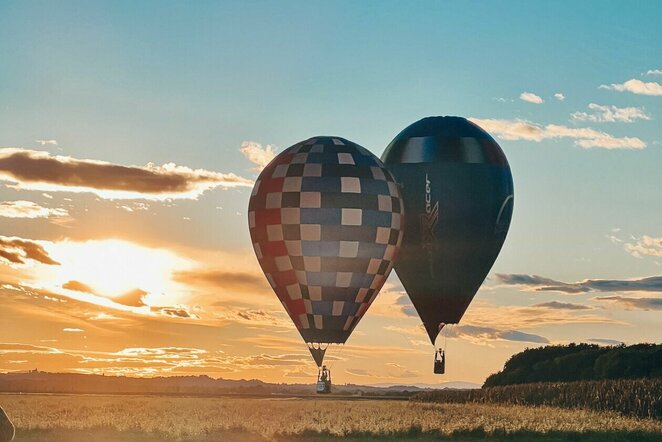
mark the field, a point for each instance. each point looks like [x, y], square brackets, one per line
[634, 397]
[151, 418]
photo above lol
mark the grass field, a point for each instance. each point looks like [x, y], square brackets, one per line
[145, 418]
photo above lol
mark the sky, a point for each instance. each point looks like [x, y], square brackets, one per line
[131, 134]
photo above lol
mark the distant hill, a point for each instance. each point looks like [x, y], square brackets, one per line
[580, 362]
[453, 385]
[44, 382]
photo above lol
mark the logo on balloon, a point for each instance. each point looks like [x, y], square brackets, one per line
[430, 218]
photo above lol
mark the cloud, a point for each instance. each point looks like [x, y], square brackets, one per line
[559, 96]
[254, 317]
[636, 87]
[216, 278]
[132, 298]
[562, 306]
[28, 209]
[258, 155]
[539, 283]
[39, 170]
[510, 317]
[584, 137]
[46, 142]
[406, 306]
[150, 361]
[78, 286]
[633, 303]
[18, 250]
[611, 114]
[654, 72]
[180, 311]
[10, 347]
[645, 246]
[483, 335]
[530, 97]
[73, 330]
[398, 371]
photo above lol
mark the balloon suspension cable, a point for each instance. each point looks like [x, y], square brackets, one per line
[317, 351]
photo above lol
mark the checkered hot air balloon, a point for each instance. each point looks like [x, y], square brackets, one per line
[326, 221]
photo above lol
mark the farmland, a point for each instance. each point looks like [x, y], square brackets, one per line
[634, 397]
[147, 418]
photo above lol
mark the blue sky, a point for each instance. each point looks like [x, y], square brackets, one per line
[158, 82]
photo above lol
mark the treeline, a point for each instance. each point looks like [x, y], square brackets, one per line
[639, 397]
[580, 362]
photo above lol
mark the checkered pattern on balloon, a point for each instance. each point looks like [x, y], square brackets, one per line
[326, 221]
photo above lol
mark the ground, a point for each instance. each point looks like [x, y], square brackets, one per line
[153, 418]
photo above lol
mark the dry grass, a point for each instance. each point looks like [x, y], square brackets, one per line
[138, 418]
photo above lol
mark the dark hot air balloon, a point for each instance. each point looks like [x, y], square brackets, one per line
[326, 222]
[458, 193]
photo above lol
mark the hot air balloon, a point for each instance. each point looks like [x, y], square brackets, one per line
[458, 193]
[326, 222]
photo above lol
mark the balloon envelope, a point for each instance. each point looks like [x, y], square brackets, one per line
[326, 221]
[458, 194]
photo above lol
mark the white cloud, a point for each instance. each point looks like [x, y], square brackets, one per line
[584, 137]
[559, 96]
[258, 155]
[73, 330]
[530, 97]
[636, 87]
[654, 72]
[28, 209]
[611, 114]
[45, 142]
[645, 246]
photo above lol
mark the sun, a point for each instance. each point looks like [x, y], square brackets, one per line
[112, 268]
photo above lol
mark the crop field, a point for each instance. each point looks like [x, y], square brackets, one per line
[151, 418]
[634, 397]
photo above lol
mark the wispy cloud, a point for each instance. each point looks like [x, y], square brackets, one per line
[179, 311]
[636, 87]
[72, 330]
[530, 97]
[633, 303]
[46, 142]
[78, 286]
[132, 298]
[500, 317]
[39, 170]
[398, 371]
[559, 96]
[654, 72]
[16, 250]
[258, 155]
[486, 335]
[29, 209]
[217, 278]
[611, 114]
[644, 246]
[540, 283]
[562, 306]
[584, 137]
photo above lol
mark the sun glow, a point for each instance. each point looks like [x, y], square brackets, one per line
[111, 268]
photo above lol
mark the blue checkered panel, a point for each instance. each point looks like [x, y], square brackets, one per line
[326, 220]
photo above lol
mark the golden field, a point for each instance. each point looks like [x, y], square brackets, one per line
[143, 418]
